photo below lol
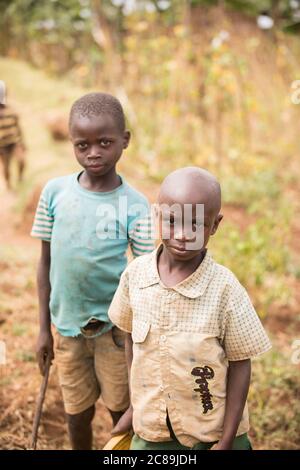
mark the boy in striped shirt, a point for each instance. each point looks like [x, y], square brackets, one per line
[86, 222]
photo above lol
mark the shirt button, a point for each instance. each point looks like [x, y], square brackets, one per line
[163, 338]
[161, 388]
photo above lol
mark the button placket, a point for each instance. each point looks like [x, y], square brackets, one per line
[165, 300]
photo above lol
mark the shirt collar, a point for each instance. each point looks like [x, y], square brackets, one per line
[192, 287]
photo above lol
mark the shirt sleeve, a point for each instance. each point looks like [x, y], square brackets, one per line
[43, 220]
[245, 336]
[140, 236]
[120, 312]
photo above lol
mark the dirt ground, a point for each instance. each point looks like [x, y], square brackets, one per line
[20, 379]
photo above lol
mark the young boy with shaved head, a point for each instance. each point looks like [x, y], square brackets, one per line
[86, 222]
[192, 329]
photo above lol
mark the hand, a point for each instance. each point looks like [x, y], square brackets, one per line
[124, 424]
[44, 349]
[221, 445]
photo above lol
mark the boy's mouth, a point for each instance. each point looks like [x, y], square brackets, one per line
[96, 165]
[180, 248]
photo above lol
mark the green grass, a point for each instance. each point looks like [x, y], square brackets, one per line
[274, 402]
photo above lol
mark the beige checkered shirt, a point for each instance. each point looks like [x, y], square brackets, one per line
[183, 338]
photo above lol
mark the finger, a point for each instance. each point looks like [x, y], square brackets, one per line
[42, 355]
[49, 356]
[41, 364]
[117, 429]
[114, 431]
[121, 427]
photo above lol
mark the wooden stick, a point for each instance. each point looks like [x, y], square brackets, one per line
[39, 406]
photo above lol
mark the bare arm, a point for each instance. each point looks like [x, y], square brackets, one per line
[125, 422]
[238, 382]
[128, 353]
[45, 340]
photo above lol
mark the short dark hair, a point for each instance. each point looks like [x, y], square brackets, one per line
[95, 104]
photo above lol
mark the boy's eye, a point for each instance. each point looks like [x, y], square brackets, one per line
[105, 142]
[81, 146]
[168, 219]
[198, 223]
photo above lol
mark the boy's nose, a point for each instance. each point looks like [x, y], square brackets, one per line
[94, 153]
[184, 234]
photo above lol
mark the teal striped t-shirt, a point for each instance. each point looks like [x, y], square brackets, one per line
[89, 233]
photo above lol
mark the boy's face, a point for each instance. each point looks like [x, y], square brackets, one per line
[185, 233]
[98, 143]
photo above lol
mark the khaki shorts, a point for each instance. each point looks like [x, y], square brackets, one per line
[90, 367]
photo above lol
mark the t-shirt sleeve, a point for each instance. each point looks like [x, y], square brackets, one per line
[245, 336]
[44, 219]
[120, 312]
[140, 236]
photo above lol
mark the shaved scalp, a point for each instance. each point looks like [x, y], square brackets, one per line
[95, 104]
[191, 185]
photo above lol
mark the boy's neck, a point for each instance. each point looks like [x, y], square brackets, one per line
[105, 183]
[174, 264]
[173, 271]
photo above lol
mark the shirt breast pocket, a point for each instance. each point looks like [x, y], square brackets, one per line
[145, 342]
[140, 330]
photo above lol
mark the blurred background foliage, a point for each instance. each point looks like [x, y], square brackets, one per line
[201, 83]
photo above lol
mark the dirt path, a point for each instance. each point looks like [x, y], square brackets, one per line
[19, 378]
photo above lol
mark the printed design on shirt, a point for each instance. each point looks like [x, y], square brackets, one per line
[204, 374]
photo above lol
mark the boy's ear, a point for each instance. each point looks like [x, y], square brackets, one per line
[216, 223]
[126, 139]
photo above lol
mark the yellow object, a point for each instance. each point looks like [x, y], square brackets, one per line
[119, 442]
